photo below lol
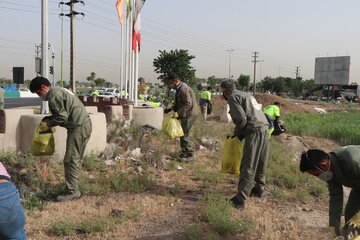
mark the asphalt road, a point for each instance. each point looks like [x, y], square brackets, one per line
[22, 102]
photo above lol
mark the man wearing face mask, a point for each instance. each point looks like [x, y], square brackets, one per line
[68, 112]
[186, 109]
[251, 126]
[338, 168]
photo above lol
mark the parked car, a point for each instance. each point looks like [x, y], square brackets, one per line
[113, 91]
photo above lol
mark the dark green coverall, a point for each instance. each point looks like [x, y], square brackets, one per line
[250, 125]
[345, 163]
[69, 112]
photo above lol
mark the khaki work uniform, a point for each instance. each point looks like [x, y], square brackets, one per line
[186, 106]
[250, 125]
[345, 163]
[69, 112]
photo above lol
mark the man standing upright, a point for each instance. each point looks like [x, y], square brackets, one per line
[250, 126]
[68, 112]
[185, 108]
[205, 100]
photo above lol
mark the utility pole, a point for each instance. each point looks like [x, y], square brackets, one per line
[37, 60]
[52, 67]
[44, 49]
[297, 72]
[230, 50]
[71, 15]
[255, 57]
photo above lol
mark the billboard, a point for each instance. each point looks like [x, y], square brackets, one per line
[18, 75]
[332, 70]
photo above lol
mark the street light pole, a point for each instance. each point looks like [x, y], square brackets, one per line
[230, 50]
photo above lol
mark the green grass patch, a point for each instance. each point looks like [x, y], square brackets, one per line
[216, 210]
[62, 228]
[139, 183]
[193, 233]
[93, 226]
[284, 173]
[342, 127]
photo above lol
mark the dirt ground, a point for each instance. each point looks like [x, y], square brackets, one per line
[165, 216]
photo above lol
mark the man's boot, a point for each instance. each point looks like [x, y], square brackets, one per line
[68, 196]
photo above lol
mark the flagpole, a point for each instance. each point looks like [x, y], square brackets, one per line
[131, 53]
[122, 61]
[127, 56]
[136, 73]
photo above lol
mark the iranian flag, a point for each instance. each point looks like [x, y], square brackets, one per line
[136, 36]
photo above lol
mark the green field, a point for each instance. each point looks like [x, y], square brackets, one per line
[342, 127]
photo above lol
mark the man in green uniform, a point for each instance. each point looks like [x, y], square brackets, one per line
[68, 112]
[205, 98]
[251, 126]
[338, 168]
[272, 114]
[2, 98]
[186, 109]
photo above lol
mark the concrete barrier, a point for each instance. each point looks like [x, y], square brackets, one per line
[148, 115]
[91, 109]
[10, 134]
[97, 141]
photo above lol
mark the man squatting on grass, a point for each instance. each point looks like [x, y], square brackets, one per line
[251, 126]
[338, 168]
[68, 112]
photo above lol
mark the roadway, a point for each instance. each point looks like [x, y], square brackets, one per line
[22, 102]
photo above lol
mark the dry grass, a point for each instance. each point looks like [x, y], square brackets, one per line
[172, 206]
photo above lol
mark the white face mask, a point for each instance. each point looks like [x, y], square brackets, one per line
[324, 175]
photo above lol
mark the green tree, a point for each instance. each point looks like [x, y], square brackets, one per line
[243, 82]
[178, 61]
[92, 77]
[100, 82]
[213, 81]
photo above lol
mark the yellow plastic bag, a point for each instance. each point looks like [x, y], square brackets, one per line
[172, 127]
[43, 144]
[232, 154]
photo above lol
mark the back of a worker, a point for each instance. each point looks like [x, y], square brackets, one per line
[205, 100]
[272, 114]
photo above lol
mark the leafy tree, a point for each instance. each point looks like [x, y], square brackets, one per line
[100, 82]
[92, 77]
[175, 61]
[243, 82]
[5, 81]
[213, 81]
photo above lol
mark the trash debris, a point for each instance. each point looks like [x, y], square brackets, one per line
[211, 144]
[201, 147]
[117, 212]
[179, 167]
[110, 163]
[136, 153]
[320, 110]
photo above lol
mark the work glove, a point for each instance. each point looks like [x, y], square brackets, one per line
[175, 115]
[43, 126]
[167, 110]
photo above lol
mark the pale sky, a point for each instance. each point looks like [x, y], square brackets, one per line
[286, 33]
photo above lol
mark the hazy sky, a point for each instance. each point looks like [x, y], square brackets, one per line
[286, 33]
